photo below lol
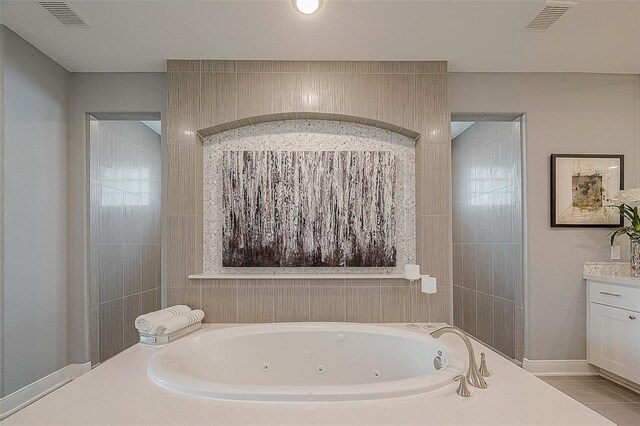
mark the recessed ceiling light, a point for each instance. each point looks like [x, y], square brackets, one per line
[307, 6]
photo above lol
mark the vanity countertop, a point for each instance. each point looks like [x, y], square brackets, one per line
[611, 273]
[120, 392]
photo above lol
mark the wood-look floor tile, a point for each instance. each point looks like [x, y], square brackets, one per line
[621, 413]
[620, 390]
[587, 391]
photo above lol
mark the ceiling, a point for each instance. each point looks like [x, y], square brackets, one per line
[136, 35]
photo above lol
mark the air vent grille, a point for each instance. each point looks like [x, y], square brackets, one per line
[65, 14]
[548, 15]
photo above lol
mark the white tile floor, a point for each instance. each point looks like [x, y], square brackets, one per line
[615, 402]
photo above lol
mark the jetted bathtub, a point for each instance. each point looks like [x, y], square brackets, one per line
[305, 362]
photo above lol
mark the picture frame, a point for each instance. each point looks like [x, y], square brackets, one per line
[581, 184]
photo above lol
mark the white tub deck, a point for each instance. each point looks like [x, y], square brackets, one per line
[119, 392]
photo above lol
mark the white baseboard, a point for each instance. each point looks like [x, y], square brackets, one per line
[36, 390]
[560, 367]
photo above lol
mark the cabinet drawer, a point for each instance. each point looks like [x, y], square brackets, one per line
[615, 295]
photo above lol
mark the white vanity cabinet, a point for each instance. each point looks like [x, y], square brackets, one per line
[613, 325]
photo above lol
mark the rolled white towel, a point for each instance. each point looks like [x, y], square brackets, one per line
[181, 321]
[148, 323]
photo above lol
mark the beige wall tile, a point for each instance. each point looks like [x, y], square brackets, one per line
[94, 336]
[190, 296]
[433, 179]
[110, 272]
[431, 113]
[111, 216]
[198, 195]
[111, 326]
[397, 98]
[183, 65]
[469, 311]
[132, 219]
[431, 232]
[430, 67]
[150, 301]
[457, 264]
[484, 329]
[387, 91]
[132, 264]
[395, 304]
[95, 197]
[181, 180]
[518, 275]
[198, 242]
[458, 320]
[217, 99]
[484, 267]
[255, 94]
[440, 305]
[150, 267]
[225, 66]
[254, 66]
[363, 304]
[328, 93]
[503, 326]
[93, 284]
[255, 304]
[132, 306]
[181, 248]
[469, 265]
[362, 95]
[291, 304]
[327, 66]
[220, 304]
[183, 104]
[519, 334]
[328, 303]
[504, 259]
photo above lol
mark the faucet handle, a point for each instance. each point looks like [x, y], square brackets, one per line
[484, 371]
[463, 389]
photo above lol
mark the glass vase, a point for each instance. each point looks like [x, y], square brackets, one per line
[635, 256]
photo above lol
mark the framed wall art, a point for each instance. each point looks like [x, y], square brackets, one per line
[581, 185]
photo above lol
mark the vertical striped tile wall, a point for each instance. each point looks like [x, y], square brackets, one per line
[124, 222]
[488, 292]
[412, 95]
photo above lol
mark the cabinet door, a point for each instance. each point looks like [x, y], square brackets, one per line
[614, 340]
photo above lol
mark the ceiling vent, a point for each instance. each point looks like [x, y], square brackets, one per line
[65, 14]
[548, 14]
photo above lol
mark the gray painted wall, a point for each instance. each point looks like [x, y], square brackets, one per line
[44, 184]
[97, 93]
[35, 170]
[565, 113]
